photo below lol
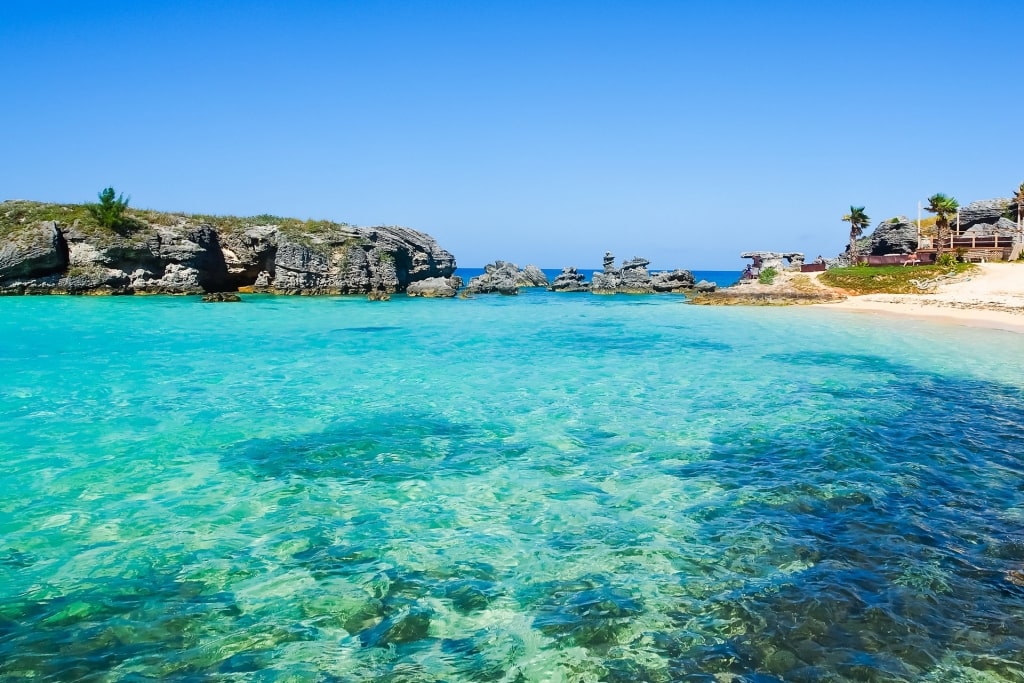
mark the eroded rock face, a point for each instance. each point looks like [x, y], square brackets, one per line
[631, 278]
[181, 255]
[897, 236]
[609, 279]
[986, 211]
[435, 287]
[634, 276]
[674, 281]
[569, 280]
[501, 277]
[37, 249]
[779, 260]
[532, 276]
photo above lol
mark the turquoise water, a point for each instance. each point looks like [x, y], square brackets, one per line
[539, 488]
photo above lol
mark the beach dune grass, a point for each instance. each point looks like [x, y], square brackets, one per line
[887, 279]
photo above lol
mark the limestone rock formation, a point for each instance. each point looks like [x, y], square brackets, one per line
[674, 281]
[532, 276]
[609, 279]
[985, 211]
[896, 236]
[60, 249]
[634, 276]
[631, 278]
[32, 250]
[569, 280]
[989, 217]
[779, 260]
[501, 277]
[435, 287]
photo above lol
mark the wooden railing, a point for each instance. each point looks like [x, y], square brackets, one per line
[972, 241]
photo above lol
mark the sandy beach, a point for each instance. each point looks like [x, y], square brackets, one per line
[991, 296]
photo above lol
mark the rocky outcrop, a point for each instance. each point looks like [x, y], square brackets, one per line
[779, 260]
[532, 276]
[435, 287]
[609, 279]
[569, 280]
[989, 217]
[634, 276]
[895, 236]
[505, 277]
[674, 281]
[37, 249]
[983, 212]
[501, 277]
[631, 278]
[179, 254]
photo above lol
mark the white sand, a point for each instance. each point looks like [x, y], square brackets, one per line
[991, 296]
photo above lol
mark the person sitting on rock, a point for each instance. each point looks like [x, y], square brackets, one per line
[911, 259]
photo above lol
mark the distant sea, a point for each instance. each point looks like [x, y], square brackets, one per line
[548, 487]
[723, 278]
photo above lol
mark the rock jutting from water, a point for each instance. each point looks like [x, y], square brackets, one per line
[435, 287]
[505, 277]
[634, 278]
[60, 249]
[569, 280]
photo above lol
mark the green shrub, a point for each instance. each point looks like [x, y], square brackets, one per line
[109, 212]
[947, 260]
[767, 276]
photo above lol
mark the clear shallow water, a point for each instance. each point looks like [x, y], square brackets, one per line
[539, 488]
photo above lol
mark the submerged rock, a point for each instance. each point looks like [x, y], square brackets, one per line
[216, 297]
[406, 626]
[589, 617]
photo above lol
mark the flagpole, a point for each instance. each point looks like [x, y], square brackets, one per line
[918, 224]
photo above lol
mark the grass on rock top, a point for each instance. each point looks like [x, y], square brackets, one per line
[887, 279]
[16, 214]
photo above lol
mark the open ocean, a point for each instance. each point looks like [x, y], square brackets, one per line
[549, 487]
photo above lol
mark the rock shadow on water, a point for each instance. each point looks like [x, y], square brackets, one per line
[85, 634]
[386, 447]
[589, 611]
[876, 545]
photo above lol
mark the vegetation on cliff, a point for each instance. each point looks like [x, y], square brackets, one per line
[111, 248]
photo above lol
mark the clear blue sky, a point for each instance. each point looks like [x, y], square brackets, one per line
[539, 132]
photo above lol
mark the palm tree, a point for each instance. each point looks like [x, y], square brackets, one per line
[942, 206]
[858, 220]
